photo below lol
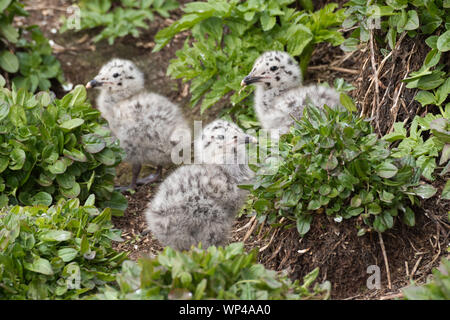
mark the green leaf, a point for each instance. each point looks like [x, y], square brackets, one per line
[71, 124]
[298, 38]
[425, 191]
[443, 42]
[314, 205]
[93, 143]
[9, 61]
[67, 254]
[9, 32]
[72, 192]
[408, 217]
[18, 157]
[387, 170]
[4, 162]
[75, 155]
[58, 167]
[347, 102]
[267, 22]
[4, 4]
[413, 20]
[261, 205]
[383, 222]
[55, 235]
[42, 198]
[78, 95]
[446, 191]
[118, 203]
[106, 156]
[39, 265]
[200, 289]
[425, 98]
[304, 224]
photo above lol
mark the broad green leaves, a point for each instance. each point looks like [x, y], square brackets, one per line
[436, 289]
[28, 60]
[443, 42]
[425, 152]
[216, 61]
[8, 61]
[334, 164]
[127, 18]
[54, 149]
[44, 245]
[213, 273]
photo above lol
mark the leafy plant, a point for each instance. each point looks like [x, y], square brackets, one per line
[393, 17]
[331, 162]
[214, 273]
[119, 18]
[29, 62]
[61, 252]
[437, 289]
[55, 149]
[390, 18]
[425, 151]
[228, 36]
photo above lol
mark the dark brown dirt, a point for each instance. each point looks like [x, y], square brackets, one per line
[342, 256]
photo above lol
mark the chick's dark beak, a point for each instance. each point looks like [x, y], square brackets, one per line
[249, 80]
[250, 139]
[93, 83]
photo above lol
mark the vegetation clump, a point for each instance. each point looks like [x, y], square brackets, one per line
[53, 149]
[213, 273]
[332, 163]
[58, 252]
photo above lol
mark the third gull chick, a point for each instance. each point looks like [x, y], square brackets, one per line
[279, 91]
[198, 202]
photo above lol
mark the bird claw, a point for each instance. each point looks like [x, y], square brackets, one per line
[150, 179]
[123, 189]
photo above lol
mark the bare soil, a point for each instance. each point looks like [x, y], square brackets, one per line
[342, 256]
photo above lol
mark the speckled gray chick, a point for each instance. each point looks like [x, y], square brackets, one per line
[279, 91]
[198, 202]
[148, 125]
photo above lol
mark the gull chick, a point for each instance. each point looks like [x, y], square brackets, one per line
[198, 202]
[148, 125]
[279, 92]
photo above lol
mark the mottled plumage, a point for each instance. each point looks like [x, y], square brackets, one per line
[279, 91]
[198, 202]
[147, 124]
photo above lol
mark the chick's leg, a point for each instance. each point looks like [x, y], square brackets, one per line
[136, 168]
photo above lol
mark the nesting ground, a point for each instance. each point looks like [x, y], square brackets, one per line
[342, 256]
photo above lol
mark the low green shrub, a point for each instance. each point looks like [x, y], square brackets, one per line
[214, 273]
[60, 252]
[26, 60]
[437, 289]
[391, 18]
[228, 36]
[388, 20]
[55, 149]
[428, 137]
[119, 18]
[332, 163]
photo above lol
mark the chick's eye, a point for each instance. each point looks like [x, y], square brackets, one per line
[115, 75]
[273, 68]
